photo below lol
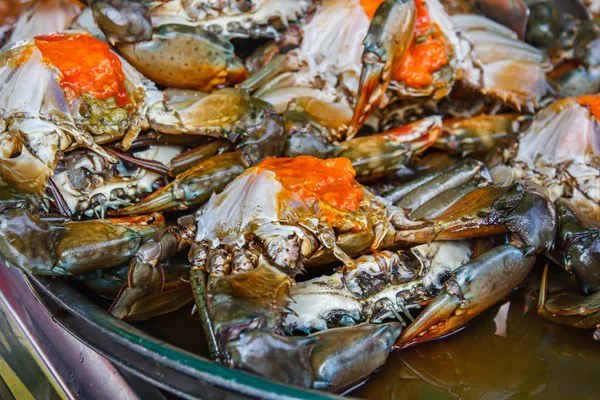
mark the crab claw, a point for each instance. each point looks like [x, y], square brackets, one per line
[344, 356]
[122, 20]
[152, 291]
[383, 153]
[242, 315]
[570, 309]
[472, 289]
[186, 57]
[177, 56]
[389, 36]
[48, 248]
[581, 246]
[511, 13]
[192, 187]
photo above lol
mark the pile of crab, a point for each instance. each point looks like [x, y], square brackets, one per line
[420, 153]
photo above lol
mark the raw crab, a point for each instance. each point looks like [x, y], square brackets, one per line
[558, 153]
[48, 104]
[185, 44]
[418, 59]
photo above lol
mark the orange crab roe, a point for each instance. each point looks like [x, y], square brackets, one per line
[427, 52]
[86, 65]
[331, 181]
[592, 102]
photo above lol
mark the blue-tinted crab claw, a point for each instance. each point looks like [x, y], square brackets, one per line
[472, 289]
[389, 36]
[511, 13]
[581, 246]
[48, 248]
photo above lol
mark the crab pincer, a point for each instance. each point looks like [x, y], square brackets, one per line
[581, 247]
[488, 278]
[242, 313]
[570, 309]
[172, 55]
[472, 289]
[389, 36]
[48, 248]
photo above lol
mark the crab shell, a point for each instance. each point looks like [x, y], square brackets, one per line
[255, 199]
[256, 18]
[561, 151]
[44, 17]
[38, 119]
[257, 205]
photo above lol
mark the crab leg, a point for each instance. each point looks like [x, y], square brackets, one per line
[457, 175]
[472, 289]
[489, 211]
[48, 248]
[192, 187]
[481, 133]
[187, 160]
[382, 286]
[146, 278]
[389, 36]
[175, 293]
[377, 155]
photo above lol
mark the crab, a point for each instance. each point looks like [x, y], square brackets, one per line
[570, 177]
[416, 59]
[103, 100]
[166, 39]
[557, 152]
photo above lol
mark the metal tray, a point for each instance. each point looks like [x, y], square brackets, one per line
[171, 368]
